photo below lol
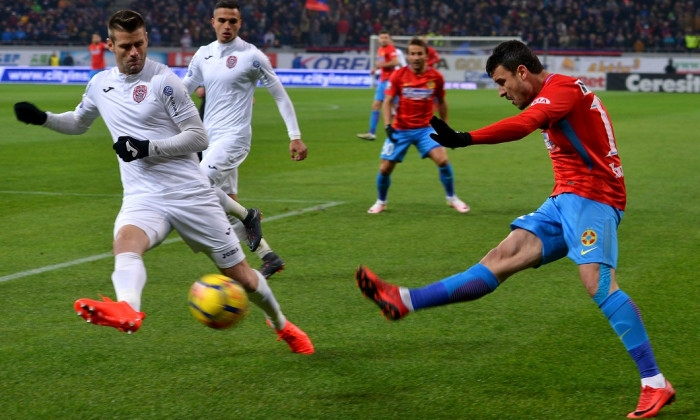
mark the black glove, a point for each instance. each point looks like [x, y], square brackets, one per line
[447, 136]
[129, 148]
[30, 114]
[390, 131]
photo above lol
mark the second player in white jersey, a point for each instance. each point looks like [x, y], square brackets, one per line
[230, 70]
[230, 73]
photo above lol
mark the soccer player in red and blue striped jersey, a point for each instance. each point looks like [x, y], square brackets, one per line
[579, 220]
[416, 86]
[387, 60]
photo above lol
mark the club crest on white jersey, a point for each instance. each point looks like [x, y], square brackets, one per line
[231, 61]
[140, 92]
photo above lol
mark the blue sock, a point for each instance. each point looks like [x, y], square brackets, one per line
[373, 121]
[626, 320]
[472, 284]
[383, 183]
[447, 179]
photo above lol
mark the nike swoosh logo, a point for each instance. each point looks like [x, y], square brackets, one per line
[625, 333]
[107, 90]
[588, 250]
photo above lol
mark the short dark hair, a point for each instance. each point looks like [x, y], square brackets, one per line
[125, 21]
[227, 4]
[419, 42]
[511, 54]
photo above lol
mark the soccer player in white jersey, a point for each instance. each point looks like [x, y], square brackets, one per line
[156, 131]
[229, 69]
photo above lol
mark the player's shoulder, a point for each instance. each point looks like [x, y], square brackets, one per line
[432, 72]
[204, 50]
[559, 80]
[400, 73]
[159, 73]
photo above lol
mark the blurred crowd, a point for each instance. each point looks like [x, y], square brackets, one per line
[632, 25]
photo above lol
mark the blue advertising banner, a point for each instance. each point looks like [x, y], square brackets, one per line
[51, 75]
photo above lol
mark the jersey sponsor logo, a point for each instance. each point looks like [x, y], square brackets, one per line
[588, 238]
[540, 100]
[140, 92]
[107, 89]
[551, 147]
[416, 93]
[231, 61]
[168, 91]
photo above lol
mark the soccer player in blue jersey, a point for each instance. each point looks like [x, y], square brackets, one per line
[579, 220]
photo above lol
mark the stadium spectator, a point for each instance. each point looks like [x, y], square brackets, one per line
[68, 60]
[164, 188]
[655, 23]
[579, 219]
[229, 111]
[186, 40]
[54, 60]
[411, 125]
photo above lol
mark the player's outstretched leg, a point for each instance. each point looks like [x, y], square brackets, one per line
[253, 229]
[119, 315]
[385, 295]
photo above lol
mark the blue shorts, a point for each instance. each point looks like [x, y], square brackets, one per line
[404, 139]
[379, 93]
[569, 225]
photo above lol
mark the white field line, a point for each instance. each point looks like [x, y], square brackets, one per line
[168, 241]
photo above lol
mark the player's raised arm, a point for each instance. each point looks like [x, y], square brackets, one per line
[66, 123]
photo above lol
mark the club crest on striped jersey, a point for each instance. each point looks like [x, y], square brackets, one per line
[140, 92]
[589, 237]
[231, 61]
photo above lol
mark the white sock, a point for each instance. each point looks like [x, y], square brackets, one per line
[129, 278]
[265, 300]
[238, 227]
[230, 205]
[656, 381]
[406, 297]
[263, 248]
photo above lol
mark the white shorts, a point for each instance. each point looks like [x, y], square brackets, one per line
[221, 160]
[195, 213]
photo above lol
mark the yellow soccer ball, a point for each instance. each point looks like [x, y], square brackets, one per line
[218, 302]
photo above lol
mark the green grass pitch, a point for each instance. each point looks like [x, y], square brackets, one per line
[537, 348]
